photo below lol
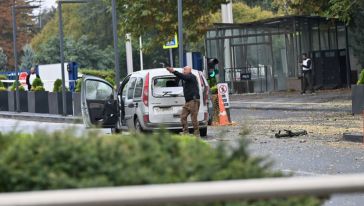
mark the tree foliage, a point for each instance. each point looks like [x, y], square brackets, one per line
[28, 57]
[301, 7]
[3, 59]
[143, 17]
[24, 25]
[86, 55]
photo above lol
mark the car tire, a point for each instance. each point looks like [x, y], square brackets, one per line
[138, 127]
[203, 131]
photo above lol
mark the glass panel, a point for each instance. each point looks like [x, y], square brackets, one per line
[341, 37]
[324, 36]
[280, 61]
[333, 42]
[138, 89]
[96, 90]
[131, 86]
[315, 38]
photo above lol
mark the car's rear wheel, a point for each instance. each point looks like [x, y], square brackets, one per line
[203, 131]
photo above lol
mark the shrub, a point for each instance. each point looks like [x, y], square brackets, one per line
[13, 86]
[57, 85]
[214, 90]
[3, 89]
[110, 80]
[38, 89]
[1, 84]
[99, 73]
[3, 77]
[78, 85]
[37, 82]
[43, 161]
[361, 77]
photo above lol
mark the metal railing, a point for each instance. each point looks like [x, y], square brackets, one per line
[190, 192]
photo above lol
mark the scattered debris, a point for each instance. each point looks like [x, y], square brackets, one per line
[289, 133]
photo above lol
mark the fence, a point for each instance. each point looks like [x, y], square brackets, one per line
[190, 192]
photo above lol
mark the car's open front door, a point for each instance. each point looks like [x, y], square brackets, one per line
[98, 105]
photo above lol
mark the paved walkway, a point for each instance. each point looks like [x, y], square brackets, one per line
[328, 100]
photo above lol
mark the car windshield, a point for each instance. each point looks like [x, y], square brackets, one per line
[167, 87]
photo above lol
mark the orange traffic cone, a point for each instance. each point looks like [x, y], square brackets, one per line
[223, 118]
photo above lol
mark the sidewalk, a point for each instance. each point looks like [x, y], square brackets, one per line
[40, 117]
[327, 100]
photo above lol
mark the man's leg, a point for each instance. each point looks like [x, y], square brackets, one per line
[185, 112]
[304, 82]
[194, 114]
[310, 81]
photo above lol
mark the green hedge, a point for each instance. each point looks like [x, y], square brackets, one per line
[43, 161]
[13, 86]
[361, 77]
[99, 73]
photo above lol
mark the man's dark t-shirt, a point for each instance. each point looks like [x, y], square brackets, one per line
[190, 86]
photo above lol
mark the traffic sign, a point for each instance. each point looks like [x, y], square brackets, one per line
[223, 90]
[171, 44]
[23, 78]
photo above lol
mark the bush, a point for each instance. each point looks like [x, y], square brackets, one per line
[110, 80]
[37, 82]
[78, 85]
[38, 89]
[57, 85]
[214, 90]
[3, 77]
[1, 84]
[3, 89]
[42, 161]
[99, 73]
[361, 77]
[13, 86]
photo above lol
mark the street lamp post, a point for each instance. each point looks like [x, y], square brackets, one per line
[13, 13]
[180, 34]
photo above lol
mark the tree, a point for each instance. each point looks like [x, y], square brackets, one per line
[27, 60]
[86, 55]
[142, 17]
[24, 23]
[3, 59]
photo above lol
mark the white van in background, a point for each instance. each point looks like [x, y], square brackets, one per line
[146, 100]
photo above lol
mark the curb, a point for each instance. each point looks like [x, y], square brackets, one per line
[292, 109]
[41, 118]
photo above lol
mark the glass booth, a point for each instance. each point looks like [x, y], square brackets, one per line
[264, 56]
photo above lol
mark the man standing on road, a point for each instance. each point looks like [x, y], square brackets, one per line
[307, 74]
[192, 97]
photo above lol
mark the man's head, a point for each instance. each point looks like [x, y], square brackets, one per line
[187, 70]
[32, 70]
[304, 56]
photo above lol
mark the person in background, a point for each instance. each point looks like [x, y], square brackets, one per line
[307, 74]
[30, 78]
[192, 97]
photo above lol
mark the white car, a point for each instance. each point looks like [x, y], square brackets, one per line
[146, 100]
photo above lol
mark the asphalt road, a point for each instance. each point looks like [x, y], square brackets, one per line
[321, 152]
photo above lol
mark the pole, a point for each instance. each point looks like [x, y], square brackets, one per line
[17, 100]
[64, 106]
[171, 57]
[129, 54]
[141, 53]
[116, 48]
[180, 34]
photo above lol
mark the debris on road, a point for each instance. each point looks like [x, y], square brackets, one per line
[289, 133]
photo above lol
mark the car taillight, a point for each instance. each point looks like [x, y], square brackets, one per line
[146, 118]
[206, 95]
[146, 90]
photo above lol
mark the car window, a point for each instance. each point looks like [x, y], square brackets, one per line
[131, 86]
[97, 90]
[138, 89]
[166, 86]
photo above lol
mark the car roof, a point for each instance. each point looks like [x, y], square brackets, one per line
[160, 71]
